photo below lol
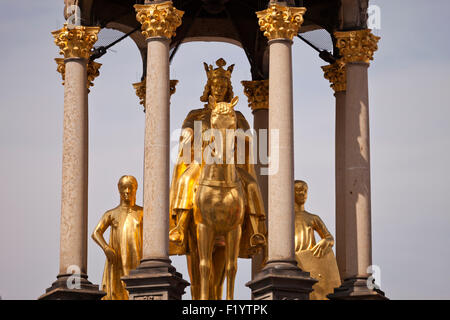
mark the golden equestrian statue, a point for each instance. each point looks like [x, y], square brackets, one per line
[124, 251]
[316, 258]
[216, 208]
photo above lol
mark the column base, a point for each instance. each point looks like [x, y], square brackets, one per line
[60, 291]
[155, 279]
[281, 280]
[355, 288]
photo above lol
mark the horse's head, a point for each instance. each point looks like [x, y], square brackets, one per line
[222, 114]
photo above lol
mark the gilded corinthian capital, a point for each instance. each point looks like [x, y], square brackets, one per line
[257, 93]
[280, 22]
[61, 68]
[357, 45]
[141, 88]
[93, 71]
[337, 75]
[77, 41]
[159, 19]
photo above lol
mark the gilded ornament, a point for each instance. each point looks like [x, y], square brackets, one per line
[280, 22]
[257, 93]
[93, 71]
[77, 41]
[141, 88]
[61, 68]
[357, 45]
[337, 75]
[159, 19]
[140, 92]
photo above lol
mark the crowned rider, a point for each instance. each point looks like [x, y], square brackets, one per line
[187, 170]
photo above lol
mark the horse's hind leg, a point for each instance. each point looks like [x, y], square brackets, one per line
[233, 238]
[205, 245]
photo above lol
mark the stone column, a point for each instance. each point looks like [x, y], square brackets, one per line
[356, 49]
[281, 278]
[75, 44]
[336, 74]
[156, 278]
[257, 92]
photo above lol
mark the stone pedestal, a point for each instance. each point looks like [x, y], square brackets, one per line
[281, 280]
[155, 280]
[356, 288]
[60, 291]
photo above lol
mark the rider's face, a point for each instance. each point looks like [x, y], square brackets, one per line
[219, 88]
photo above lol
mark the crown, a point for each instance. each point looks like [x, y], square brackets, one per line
[219, 72]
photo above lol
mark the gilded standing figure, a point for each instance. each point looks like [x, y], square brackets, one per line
[316, 258]
[124, 250]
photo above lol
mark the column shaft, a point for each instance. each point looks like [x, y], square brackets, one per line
[357, 172]
[157, 160]
[74, 199]
[260, 121]
[281, 183]
[339, 182]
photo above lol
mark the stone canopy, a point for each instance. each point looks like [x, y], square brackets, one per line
[223, 20]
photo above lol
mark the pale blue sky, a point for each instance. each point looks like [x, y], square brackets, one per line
[410, 130]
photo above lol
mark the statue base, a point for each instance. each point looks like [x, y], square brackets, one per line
[155, 279]
[281, 280]
[356, 289]
[59, 290]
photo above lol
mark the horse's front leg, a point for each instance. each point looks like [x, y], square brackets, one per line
[233, 238]
[218, 272]
[205, 243]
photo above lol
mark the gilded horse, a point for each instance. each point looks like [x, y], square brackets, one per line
[219, 200]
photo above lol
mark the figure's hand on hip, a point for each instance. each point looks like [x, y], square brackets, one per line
[110, 254]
